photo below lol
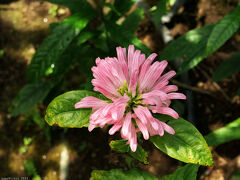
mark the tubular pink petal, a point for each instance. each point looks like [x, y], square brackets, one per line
[90, 102]
[130, 54]
[168, 111]
[133, 139]
[141, 59]
[176, 96]
[91, 127]
[167, 76]
[143, 129]
[169, 88]
[97, 61]
[126, 124]
[115, 128]
[140, 114]
[168, 128]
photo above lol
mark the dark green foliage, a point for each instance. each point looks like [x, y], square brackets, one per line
[121, 147]
[30, 95]
[187, 172]
[227, 68]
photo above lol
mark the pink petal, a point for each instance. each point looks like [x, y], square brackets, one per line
[152, 75]
[130, 54]
[167, 111]
[126, 124]
[133, 139]
[91, 127]
[169, 88]
[162, 95]
[176, 96]
[90, 102]
[167, 128]
[143, 129]
[167, 76]
[140, 114]
[145, 66]
[115, 128]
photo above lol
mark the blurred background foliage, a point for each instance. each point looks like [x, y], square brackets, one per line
[59, 41]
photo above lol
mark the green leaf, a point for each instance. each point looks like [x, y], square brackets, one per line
[187, 172]
[160, 11]
[223, 30]
[123, 6]
[125, 36]
[61, 110]
[30, 95]
[191, 47]
[228, 67]
[121, 147]
[187, 144]
[54, 46]
[228, 133]
[119, 174]
[50, 51]
[132, 20]
[113, 8]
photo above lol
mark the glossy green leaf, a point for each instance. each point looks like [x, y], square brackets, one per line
[61, 110]
[187, 172]
[223, 30]
[119, 174]
[187, 144]
[121, 147]
[29, 96]
[227, 68]
[228, 133]
[191, 47]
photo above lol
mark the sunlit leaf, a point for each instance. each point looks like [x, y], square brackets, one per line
[61, 110]
[29, 96]
[225, 134]
[223, 30]
[187, 172]
[121, 147]
[191, 47]
[187, 144]
[227, 68]
[119, 174]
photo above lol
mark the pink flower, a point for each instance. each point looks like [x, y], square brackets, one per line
[135, 87]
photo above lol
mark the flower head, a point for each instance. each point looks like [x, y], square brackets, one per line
[135, 88]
